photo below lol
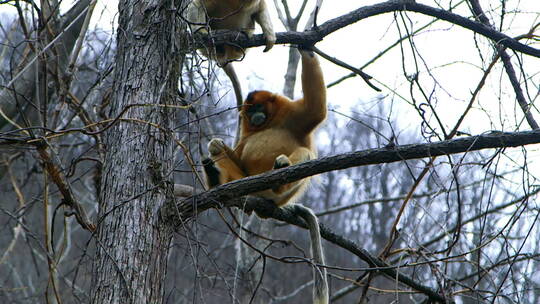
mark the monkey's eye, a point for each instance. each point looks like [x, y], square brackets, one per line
[254, 108]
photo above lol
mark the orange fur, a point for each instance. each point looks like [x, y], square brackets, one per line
[276, 132]
[285, 138]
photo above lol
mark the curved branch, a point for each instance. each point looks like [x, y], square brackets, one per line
[330, 26]
[268, 209]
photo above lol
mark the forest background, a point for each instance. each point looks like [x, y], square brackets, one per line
[106, 106]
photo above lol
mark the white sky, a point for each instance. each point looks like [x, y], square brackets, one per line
[448, 50]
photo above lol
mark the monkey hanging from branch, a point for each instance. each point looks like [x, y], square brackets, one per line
[239, 15]
[276, 132]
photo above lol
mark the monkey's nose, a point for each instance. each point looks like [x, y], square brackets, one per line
[258, 119]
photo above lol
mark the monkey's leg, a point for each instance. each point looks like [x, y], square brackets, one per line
[301, 154]
[212, 173]
[263, 19]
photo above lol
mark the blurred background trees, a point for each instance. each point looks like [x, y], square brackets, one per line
[464, 225]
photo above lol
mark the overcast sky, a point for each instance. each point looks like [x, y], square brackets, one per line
[448, 51]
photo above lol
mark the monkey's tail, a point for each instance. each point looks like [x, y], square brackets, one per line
[320, 288]
[229, 70]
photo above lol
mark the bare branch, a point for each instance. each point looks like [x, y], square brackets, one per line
[524, 105]
[366, 77]
[69, 30]
[52, 166]
[80, 39]
[220, 195]
[323, 30]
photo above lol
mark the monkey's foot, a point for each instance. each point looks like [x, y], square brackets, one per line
[270, 41]
[212, 173]
[207, 161]
[282, 161]
[216, 146]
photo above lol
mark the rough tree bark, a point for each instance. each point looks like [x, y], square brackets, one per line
[132, 241]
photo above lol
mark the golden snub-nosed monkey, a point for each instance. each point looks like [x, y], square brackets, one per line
[277, 132]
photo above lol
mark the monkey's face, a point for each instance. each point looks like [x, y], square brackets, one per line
[256, 114]
[257, 109]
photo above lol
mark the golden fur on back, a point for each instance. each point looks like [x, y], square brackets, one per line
[285, 138]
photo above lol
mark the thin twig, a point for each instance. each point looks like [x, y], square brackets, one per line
[80, 39]
[364, 76]
[509, 68]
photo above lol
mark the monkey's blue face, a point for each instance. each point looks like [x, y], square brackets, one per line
[257, 108]
[256, 114]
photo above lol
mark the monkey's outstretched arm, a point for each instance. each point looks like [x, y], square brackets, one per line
[312, 108]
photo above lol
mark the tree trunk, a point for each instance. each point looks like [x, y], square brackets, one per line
[132, 241]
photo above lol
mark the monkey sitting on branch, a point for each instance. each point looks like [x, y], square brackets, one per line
[276, 132]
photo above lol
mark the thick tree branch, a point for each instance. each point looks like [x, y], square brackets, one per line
[311, 37]
[222, 194]
[268, 209]
[230, 194]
